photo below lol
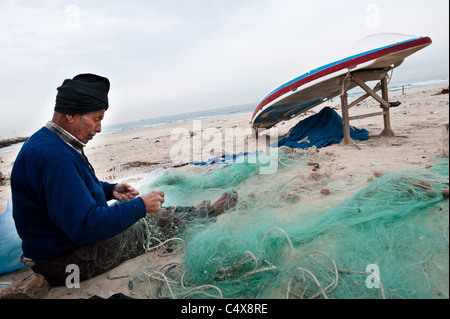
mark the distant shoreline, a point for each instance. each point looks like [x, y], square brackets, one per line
[132, 126]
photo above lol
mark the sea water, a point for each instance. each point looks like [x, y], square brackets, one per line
[179, 118]
[406, 85]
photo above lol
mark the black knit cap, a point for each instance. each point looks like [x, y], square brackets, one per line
[84, 93]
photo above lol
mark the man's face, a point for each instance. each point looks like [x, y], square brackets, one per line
[85, 126]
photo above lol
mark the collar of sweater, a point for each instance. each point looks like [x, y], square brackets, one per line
[66, 136]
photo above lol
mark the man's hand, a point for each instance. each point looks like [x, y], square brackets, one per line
[123, 192]
[153, 201]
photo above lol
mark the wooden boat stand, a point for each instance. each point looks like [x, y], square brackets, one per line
[358, 78]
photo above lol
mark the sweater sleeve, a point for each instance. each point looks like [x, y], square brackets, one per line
[108, 188]
[73, 208]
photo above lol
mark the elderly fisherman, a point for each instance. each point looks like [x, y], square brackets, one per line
[60, 207]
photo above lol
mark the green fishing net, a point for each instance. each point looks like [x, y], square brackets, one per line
[385, 237]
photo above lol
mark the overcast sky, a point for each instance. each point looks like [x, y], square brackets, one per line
[164, 57]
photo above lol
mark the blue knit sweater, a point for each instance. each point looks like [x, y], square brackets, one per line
[59, 204]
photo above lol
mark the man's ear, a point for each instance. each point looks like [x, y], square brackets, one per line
[71, 118]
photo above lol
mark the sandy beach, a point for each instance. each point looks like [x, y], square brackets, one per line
[420, 124]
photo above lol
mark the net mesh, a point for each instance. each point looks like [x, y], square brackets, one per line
[385, 237]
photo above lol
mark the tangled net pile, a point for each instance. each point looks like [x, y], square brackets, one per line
[384, 238]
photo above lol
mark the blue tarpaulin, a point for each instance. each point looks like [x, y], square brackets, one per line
[10, 243]
[319, 130]
[223, 159]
